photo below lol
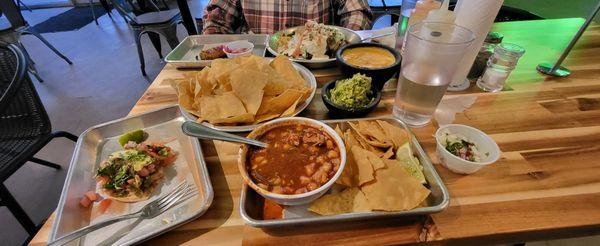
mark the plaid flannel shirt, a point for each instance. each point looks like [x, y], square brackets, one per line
[269, 16]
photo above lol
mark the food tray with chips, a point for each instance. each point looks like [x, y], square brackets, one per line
[185, 55]
[95, 144]
[252, 205]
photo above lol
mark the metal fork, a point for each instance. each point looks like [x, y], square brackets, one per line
[179, 194]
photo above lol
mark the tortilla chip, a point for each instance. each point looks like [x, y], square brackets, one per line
[220, 70]
[395, 134]
[364, 166]
[221, 107]
[279, 103]
[338, 130]
[376, 162]
[366, 145]
[284, 66]
[395, 189]
[373, 159]
[349, 176]
[348, 201]
[243, 118]
[184, 95]
[388, 154]
[367, 133]
[276, 85]
[204, 86]
[248, 86]
[290, 111]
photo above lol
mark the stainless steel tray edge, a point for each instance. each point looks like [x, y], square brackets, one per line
[184, 47]
[202, 168]
[427, 165]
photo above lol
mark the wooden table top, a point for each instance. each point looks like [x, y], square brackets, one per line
[546, 184]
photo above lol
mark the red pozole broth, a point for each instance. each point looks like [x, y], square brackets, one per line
[300, 158]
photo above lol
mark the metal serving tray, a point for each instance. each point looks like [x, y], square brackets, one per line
[184, 55]
[95, 144]
[251, 203]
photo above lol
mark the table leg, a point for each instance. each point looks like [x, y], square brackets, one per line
[186, 15]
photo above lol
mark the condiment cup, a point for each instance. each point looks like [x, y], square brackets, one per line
[379, 75]
[294, 199]
[485, 144]
[240, 44]
[338, 111]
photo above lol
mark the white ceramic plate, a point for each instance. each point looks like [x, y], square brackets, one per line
[311, 82]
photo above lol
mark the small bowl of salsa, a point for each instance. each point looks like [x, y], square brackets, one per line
[238, 48]
[378, 61]
[303, 160]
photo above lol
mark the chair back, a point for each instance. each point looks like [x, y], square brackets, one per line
[13, 13]
[23, 118]
[124, 10]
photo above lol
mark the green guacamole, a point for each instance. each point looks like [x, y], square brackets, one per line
[352, 93]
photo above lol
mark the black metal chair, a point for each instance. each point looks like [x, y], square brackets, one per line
[154, 24]
[105, 6]
[381, 9]
[18, 26]
[24, 126]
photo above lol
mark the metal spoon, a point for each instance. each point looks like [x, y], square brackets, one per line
[194, 129]
[377, 36]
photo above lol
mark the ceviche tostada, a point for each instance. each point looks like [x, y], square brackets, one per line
[132, 174]
[313, 41]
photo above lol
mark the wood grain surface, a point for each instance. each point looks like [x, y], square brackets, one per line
[546, 184]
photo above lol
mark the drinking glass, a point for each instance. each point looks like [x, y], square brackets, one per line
[429, 61]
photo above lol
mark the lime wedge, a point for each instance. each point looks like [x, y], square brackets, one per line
[410, 162]
[137, 136]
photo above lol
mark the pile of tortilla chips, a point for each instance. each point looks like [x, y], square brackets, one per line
[374, 178]
[243, 90]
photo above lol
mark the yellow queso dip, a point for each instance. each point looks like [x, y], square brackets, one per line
[368, 57]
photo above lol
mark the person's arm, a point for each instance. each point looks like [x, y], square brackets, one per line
[221, 16]
[354, 14]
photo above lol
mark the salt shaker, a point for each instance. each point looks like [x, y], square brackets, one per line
[499, 66]
[491, 41]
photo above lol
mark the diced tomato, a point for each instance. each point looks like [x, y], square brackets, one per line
[104, 204]
[91, 195]
[144, 172]
[169, 159]
[85, 202]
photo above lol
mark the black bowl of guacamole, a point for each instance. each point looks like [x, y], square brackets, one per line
[342, 108]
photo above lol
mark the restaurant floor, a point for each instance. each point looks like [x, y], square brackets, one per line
[103, 84]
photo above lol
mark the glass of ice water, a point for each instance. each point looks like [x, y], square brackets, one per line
[429, 61]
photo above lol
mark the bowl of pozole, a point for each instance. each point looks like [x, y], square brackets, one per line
[303, 159]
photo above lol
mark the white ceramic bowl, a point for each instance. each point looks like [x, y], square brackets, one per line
[236, 45]
[295, 199]
[484, 143]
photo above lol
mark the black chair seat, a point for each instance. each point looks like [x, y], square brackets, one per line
[157, 18]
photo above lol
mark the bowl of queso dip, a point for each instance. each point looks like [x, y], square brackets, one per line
[303, 159]
[374, 60]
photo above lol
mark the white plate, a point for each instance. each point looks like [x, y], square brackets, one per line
[310, 80]
[351, 38]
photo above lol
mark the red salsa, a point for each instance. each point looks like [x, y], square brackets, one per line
[299, 159]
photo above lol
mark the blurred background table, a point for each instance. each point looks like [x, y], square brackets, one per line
[544, 186]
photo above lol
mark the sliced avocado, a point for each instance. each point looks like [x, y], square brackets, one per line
[137, 136]
[410, 162]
